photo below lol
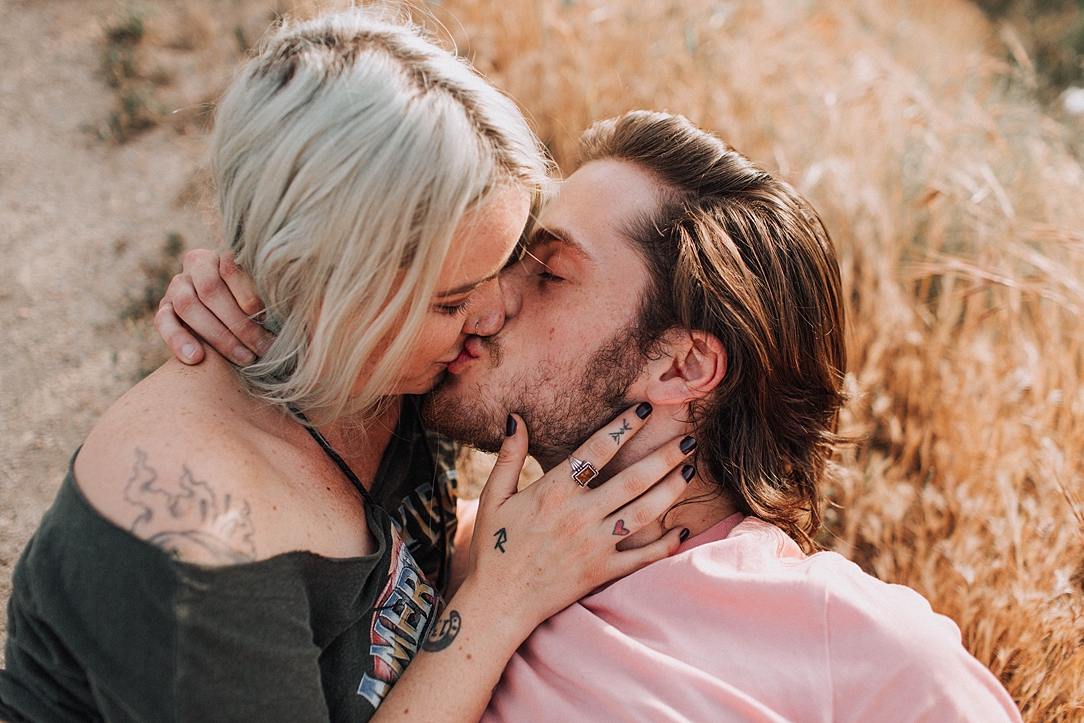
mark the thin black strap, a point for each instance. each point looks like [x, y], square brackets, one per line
[341, 464]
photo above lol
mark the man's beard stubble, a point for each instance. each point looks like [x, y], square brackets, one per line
[560, 412]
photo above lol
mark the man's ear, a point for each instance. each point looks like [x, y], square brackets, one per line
[693, 364]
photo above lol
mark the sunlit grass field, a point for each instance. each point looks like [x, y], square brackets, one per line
[957, 206]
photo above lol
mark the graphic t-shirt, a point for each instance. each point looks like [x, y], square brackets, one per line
[416, 484]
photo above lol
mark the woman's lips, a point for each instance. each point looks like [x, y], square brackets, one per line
[470, 353]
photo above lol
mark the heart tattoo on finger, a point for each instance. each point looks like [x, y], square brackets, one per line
[619, 529]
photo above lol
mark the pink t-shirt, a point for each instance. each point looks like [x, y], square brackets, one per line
[740, 625]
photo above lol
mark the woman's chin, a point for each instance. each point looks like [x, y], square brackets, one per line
[422, 385]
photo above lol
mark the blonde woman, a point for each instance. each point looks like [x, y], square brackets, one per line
[216, 551]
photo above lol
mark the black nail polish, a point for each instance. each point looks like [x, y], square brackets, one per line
[643, 410]
[684, 534]
[510, 426]
[688, 471]
[687, 445]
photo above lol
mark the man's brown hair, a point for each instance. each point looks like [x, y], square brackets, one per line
[732, 251]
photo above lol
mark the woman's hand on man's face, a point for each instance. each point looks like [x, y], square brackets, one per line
[536, 551]
[212, 301]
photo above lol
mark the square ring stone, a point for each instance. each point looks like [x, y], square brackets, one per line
[584, 474]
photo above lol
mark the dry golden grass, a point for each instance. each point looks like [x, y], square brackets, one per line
[958, 210]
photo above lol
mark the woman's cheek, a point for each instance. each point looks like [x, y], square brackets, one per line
[439, 337]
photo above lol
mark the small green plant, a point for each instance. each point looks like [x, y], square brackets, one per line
[122, 38]
[137, 106]
[128, 28]
[242, 40]
[133, 115]
[118, 64]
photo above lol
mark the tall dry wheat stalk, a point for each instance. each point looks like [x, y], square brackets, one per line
[958, 211]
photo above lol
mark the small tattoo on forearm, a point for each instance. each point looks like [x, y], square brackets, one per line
[443, 633]
[502, 537]
[616, 436]
[186, 519]
[619, 529]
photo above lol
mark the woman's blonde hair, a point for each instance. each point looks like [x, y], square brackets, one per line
[344, 155]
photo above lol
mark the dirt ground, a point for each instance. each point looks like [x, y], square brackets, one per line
[80, 216]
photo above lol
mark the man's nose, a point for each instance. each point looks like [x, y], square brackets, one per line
[511, 283]
[489, 317]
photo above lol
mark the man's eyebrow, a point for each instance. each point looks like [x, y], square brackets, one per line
[467, 287]
[559, 236]
[539, 236]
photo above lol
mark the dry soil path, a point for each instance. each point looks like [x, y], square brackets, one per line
[78, 215]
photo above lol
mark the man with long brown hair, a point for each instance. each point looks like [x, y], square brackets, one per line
[720, 269]
[671, 270]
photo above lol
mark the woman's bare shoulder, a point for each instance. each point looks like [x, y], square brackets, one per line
[185, 462]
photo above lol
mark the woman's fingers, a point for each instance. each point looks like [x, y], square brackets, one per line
[501, 486]
[592, 455]
[629, 561]
[649, 506]
[504, 479]
[639, 477]
[183, 296]
[216, 285]
[240, 284]
[243, 290]
[180, 341]
[554, 542]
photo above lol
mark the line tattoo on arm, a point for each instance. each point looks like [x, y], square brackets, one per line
[616, 436]
[443, 633]
[187, 519]
[502, 537]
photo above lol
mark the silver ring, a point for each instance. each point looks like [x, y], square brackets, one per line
[582, 472]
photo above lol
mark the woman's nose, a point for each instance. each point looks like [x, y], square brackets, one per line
[489, 317]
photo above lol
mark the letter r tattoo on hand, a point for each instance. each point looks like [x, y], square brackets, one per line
[502, 537]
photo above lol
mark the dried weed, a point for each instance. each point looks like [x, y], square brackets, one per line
[123, 67]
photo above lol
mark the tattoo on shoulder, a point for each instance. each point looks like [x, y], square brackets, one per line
[616, 436]
[187, 519]
[443, 633]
